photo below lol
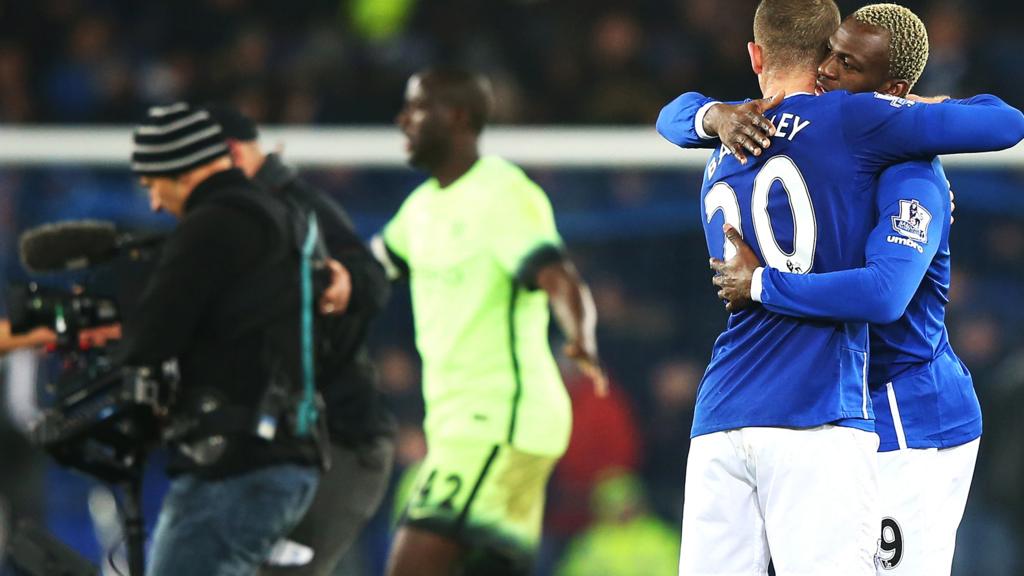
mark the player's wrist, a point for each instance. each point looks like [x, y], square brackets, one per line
[704, 129]
[756, 284]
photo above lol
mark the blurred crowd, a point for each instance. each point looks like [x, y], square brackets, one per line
[619, 487]
[634, 234]
[346, 61]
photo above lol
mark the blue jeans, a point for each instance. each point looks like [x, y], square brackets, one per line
[227, 527]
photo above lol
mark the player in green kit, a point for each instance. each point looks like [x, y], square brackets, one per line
[479, 246]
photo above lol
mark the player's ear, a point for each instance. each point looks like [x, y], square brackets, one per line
[899, 88]
[756, 57]
[235, 151]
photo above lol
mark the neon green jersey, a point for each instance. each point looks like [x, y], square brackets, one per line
[488, 372]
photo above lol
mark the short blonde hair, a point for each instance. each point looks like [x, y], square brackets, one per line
[908, 38]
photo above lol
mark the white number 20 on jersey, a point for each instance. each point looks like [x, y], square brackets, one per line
[722, 198]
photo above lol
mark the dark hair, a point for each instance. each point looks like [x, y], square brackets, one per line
[795, 33]
[460, 88]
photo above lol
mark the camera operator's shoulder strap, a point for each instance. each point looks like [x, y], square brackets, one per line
[307, 411]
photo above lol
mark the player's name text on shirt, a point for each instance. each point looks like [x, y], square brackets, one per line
[788, 126]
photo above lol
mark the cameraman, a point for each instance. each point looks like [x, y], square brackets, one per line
[361, 429]
[226, 301]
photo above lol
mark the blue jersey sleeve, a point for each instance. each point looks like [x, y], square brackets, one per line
[913, 204]
[882, 129]
[677, 121]
[979, 100]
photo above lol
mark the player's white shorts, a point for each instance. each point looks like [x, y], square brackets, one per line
[923, 495]
[808, 499]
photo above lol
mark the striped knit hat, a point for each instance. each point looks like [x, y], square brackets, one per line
[174, 139]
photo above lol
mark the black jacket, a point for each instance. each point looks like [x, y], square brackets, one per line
[229, 252]
[347, 378]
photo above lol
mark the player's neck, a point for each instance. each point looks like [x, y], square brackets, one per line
[458, 163]
[788, 82]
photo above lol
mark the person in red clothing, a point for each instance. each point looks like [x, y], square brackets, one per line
[668, 415]
[604, 437]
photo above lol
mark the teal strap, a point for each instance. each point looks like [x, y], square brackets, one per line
[307, 408]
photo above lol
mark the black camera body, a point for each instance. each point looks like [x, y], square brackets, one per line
[65, 312]
[109, 269]
[102, 416]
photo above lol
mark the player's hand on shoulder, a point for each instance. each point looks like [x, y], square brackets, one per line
[927, 99]
[733, 276]
[742, 128]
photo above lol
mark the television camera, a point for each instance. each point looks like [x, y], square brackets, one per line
[103, 418]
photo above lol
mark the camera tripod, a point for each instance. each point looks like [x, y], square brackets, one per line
[35, 552]
[105, 429]
[131, 515]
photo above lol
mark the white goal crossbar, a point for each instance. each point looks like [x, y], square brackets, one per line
[587, 147]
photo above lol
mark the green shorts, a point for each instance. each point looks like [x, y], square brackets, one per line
[488, 497]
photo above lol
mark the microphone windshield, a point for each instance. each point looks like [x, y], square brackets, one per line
[68, 245]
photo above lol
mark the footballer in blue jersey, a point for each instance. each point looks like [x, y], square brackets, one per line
[807, 205]
[928, 416]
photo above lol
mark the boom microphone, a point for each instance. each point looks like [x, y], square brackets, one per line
[68, 245]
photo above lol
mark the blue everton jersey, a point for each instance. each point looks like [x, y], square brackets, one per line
[808, 205]
[922, 393]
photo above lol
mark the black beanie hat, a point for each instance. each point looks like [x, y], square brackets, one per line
[174, 139]
[233, 124]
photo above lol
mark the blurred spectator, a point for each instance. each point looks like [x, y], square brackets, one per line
[978, 341]
[667, 434]
[948, 29]
[375, 20]
[631, 327]
[994, 521]
[613, 62]
[1006, 245]
[400, 383]
[1007, 454]
[625, 540]
[622, 90]
[604, 437]
[15, 98]
[90, 84]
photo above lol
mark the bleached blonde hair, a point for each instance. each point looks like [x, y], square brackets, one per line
[908, 38]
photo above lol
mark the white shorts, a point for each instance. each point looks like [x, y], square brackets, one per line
[923, 496]
[808, 499]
